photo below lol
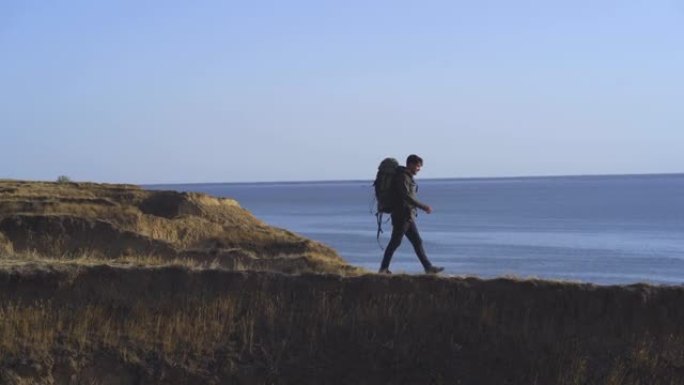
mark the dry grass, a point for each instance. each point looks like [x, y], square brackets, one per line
[162, 287]
[327, 329]
[33, 258]
[113, 222]
[246, 262]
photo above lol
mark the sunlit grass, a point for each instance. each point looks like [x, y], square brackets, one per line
[274, 322]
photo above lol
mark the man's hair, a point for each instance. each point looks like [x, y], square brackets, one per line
[414, 159]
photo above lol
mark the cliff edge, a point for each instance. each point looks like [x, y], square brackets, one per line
[68, 324]
[125, 222]
[116, 285]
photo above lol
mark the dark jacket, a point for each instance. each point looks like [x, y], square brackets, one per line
[406, 203]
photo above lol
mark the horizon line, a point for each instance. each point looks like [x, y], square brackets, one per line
[324, 181]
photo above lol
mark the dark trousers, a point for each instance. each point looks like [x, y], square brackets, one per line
[401, 227]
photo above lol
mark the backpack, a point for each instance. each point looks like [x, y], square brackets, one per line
[384, 194]
[384, 190]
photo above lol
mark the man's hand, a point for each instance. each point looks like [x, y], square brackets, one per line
[427, 209]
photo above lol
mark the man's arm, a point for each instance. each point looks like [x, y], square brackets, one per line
[409, 197]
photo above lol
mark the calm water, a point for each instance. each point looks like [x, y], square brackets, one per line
[607, 230]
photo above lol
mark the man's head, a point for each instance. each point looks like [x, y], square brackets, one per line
[414, 163]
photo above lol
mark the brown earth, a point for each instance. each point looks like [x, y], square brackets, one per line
[67, 220]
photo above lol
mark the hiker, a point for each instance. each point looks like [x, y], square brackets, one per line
[405, 205]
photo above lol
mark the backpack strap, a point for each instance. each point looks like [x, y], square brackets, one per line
[378, 216]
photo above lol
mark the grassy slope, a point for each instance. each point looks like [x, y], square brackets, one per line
[111, 284]
[182, 325]
[54, 220]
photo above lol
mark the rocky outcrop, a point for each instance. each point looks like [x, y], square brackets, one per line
[114, 221]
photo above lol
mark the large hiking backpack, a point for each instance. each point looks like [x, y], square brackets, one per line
[384, 194]
[384, 190]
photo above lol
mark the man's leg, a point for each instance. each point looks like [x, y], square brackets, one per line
[398, 231]
[417, 242]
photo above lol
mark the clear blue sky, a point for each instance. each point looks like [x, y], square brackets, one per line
[224, 91]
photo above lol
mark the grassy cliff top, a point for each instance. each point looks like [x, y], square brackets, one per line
[114, 284]
[47, 220]
[71, 323]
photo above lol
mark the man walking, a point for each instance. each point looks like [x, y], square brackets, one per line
[405, 206]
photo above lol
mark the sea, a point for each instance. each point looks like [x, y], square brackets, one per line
[605, 230]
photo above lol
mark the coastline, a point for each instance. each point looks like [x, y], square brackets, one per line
[186, 288]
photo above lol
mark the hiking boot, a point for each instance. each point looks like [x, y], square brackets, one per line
[385, 271]
[434, 270]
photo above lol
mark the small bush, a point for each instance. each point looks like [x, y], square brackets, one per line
[63, 179]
